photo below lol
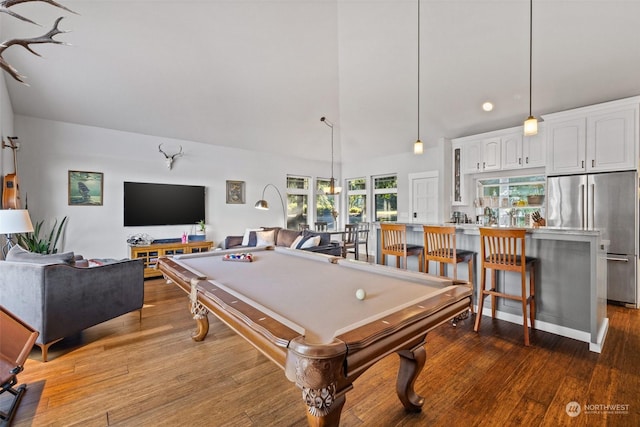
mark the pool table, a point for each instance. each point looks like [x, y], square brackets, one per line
[301, 311]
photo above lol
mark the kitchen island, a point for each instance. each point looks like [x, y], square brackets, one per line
[571, 279]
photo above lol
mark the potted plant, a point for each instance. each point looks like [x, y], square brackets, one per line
[45, 244]
[201, 231]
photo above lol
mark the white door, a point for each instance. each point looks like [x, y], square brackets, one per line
[424, 197]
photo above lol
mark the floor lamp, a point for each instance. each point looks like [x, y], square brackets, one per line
[263, 205]
[13, 221]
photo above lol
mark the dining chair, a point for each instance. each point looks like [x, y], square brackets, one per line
[321, 226]
[350, 240]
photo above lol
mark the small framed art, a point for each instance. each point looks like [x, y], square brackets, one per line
[235, 192]
[85, 188]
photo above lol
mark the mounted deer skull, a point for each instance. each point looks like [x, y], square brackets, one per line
[169, 158]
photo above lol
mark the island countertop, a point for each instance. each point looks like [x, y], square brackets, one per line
[571, 278]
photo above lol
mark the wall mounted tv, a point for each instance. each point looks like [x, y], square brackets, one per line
[162, 204]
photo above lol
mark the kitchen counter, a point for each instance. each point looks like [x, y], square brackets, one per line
[571, 279]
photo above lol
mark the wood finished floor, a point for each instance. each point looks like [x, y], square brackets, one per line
[127, 372]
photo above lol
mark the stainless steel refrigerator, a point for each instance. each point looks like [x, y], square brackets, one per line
[609, 202]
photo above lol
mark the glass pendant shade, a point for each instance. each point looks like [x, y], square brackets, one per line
[418, 147]
[530, 126]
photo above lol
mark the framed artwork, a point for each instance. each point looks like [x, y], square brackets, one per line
[235, 192]
[85, 188]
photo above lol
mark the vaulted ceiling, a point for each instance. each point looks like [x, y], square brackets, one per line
[259, 74]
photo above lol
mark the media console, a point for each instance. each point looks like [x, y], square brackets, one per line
[150, 253]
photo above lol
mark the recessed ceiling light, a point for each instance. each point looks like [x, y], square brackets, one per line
[487, 106]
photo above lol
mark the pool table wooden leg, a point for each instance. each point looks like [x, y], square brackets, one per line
[332, 418]
[199, 312]
[411, 364]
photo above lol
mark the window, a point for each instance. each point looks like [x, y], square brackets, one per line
[297, 201]
[510, 201]
[325, 204]
[357, 200]
[385, 193]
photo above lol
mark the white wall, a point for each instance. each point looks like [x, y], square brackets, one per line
[50, 149]
[436, 157]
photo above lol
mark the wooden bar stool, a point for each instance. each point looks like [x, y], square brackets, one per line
[504, 249]
[394, 242]
[440, 247]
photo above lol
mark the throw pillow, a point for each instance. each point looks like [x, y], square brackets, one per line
[295, 243]
[265, 238]
[247, 235]
[308, 242]
[18, 254]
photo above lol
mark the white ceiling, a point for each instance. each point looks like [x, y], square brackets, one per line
[259, 74]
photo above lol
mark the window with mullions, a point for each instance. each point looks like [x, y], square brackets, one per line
[325, 204]
[385, 194]
[357, 200]
[297, 201]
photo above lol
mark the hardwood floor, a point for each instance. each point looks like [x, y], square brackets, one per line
[128, 372]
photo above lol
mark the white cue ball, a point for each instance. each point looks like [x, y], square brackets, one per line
[361, 294]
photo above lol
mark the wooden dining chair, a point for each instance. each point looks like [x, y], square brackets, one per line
[440, 247]
[393, 241]
[321, 226]
[350, 240]
[363, 238]
[16, 341]
[504, 249]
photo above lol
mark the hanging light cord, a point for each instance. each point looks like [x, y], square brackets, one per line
[418, 70]
[530, 52]
[328, 123]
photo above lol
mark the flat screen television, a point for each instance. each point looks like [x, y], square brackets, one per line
[162, 204]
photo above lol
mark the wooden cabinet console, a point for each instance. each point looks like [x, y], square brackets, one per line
[150, 253]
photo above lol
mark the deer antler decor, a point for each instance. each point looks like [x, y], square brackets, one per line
[6, 4]
[46, 38]
[169, 157]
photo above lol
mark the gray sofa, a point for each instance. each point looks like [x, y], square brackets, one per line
[60, 299]
[285, 238]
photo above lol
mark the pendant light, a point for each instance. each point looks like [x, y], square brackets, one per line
[333, 189]
[531, 124]
[418, 146]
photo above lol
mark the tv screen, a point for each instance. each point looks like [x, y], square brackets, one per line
[162, 204]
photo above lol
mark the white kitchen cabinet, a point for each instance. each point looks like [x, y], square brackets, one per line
[599, 138]
[481, 155]
[472, 156]
[520, 151]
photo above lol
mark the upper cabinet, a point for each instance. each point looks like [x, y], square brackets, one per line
[480, 154]
[599, 138]
[520, 151]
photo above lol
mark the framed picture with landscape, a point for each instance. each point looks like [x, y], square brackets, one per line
[85, 188]
[235, 192]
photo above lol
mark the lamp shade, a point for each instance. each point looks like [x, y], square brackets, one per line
[15, 221]
[530, 126]
[262, 205]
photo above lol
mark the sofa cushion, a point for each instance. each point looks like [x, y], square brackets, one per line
[286, 237]
[265, 238]
[18, 254]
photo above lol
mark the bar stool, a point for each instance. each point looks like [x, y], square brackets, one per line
[394, 242]
[504, 249]
[440, 247]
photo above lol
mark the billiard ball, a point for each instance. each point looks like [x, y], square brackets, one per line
[361, 294]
